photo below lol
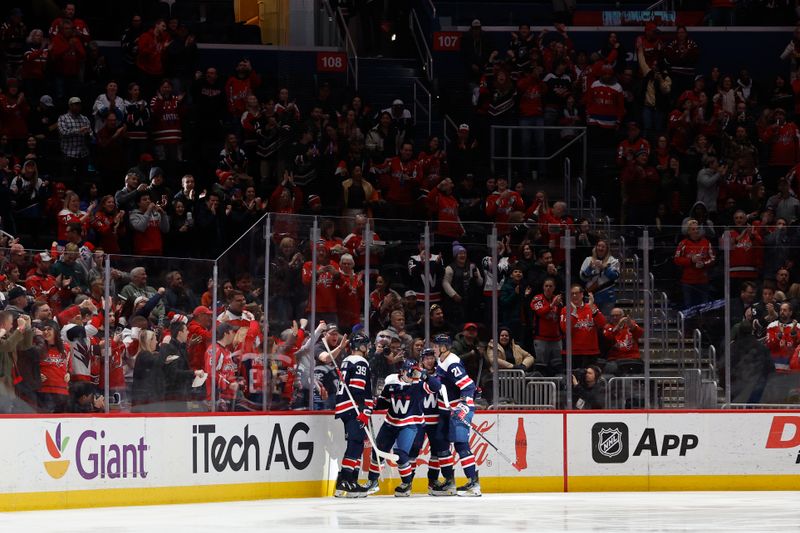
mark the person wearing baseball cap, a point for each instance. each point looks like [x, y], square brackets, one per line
[641, 182]
[199, 335]
[475, 48]
[469, 348]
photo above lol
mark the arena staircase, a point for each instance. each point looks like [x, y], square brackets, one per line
[677, 348]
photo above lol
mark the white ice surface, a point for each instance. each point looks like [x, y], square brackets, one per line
[641, 512]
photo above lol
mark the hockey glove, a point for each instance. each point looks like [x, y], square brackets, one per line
[461, 411]
[363, 417]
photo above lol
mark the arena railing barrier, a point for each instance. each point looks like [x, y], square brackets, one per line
[279, 257]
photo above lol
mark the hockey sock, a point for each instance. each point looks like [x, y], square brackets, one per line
[446, 461]
[405, 472]
[467, 459]
[374, 468]
[433, 468]
[349, 469]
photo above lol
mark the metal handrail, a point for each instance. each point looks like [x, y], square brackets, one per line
[697, 347]
[433, 8]
[418, 34]
[637, 286]
[421, 105]
[495, 129]
[350, 50]
[681, 327]
[579, 196]
[664, 312]
[445, 121]
[666, 5]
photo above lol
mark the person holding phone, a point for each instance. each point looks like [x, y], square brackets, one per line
[150, 224]
[585, 320]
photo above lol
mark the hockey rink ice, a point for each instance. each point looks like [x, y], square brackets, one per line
[620, 511]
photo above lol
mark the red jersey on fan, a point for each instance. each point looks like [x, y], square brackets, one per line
[353, 244]
[54, 367]
[546, 321]
[782, 339]
[326, 285]
[116, 368]
[399, 180]
[783, 140]
[552, 229]
[445, 208]
[197, 343]
[500, 205]
[349, 299]
[226, 372]
[633, 147]
[692, 274]
[746, 253]
[167, 114]
[624, 341]
[584, 325]
[531, 91]
[605, 105]
[433, 168]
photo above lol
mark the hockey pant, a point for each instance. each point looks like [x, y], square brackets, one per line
[440, 457]
[354, 435]
[458, 434]
[400, 439]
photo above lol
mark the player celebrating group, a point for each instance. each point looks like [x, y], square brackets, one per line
[353, 406]
[460, 390]
[441, 457]
[402, 396]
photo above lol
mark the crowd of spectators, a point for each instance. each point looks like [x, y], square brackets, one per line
[186, 161]
[694, 156]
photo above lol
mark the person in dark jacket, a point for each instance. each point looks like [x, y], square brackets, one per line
[148, 375]
[751, 365]
[588, 392]
[178, 375]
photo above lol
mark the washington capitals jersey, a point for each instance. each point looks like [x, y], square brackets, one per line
[356, 374]
[457, 383]
[432, 404]
[404, 402]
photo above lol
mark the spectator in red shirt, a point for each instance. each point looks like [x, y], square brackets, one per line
[349, 294]
[13, 114]
[327, 276]
[152, 48]
[80, 27]
[54, 365]
[640, 183]
[71, 213]
[444, 208]
[586, 320]
[695, 257]
[546, 327]
[239, 86]
[622, 334]
[783, 139]
[632, 145]
[67, 55]
[531, 91]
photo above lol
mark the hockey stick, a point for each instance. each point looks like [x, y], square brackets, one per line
[367, 429]
[490, 443]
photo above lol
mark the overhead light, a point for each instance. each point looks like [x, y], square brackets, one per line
[394, 37]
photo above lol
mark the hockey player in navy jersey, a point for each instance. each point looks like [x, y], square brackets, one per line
[403, 396]
[354, 410]
[441, 458]
[460, 390]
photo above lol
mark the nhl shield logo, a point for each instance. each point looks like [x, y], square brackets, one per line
[610, 442]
